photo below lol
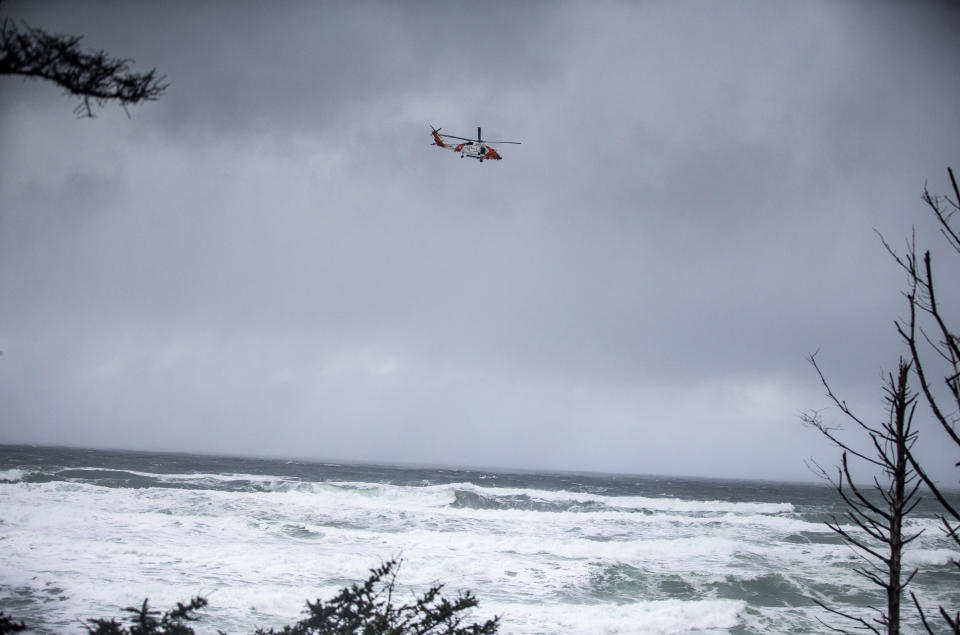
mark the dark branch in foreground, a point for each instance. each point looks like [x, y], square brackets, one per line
[144, 620]
[880, 517]
[934, 349]
[360, 609]
[370, 608]
[9, 625]
[93, 76]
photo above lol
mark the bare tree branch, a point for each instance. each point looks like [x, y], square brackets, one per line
[933, 345]
[92, 76]
[864, 625]
[880, 519]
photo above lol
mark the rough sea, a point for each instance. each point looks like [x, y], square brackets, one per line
[84, 533]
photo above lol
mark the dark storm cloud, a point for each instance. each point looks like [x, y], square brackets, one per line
[311, 67]
[271, 259]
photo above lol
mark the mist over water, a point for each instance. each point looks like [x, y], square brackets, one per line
[85, 533]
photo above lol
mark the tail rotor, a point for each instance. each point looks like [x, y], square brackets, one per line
[437, 141]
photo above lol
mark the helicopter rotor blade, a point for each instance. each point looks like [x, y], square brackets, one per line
[479, 138]
[450, 136]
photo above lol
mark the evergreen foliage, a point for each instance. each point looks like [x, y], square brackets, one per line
[8, 625]
[369, 609]
[360, 609]
[143, 620]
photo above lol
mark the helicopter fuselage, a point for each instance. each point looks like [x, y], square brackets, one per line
[478, 151]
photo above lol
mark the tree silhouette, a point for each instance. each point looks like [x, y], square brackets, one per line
[880, 518]
[9, 625]
[92, 76]
[146, 621]
[935, 350]
[369, 608]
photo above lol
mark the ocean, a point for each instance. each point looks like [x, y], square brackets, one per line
[84, 533]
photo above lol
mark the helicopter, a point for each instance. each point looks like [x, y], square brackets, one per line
[473, 148]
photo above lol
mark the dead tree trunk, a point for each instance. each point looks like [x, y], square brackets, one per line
[877, 513]
[934, 348]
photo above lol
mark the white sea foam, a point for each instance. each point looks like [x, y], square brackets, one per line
[199, 478]
[444, 494]
[259, 553]
[653, 618]
[11, 476]
[627, 502]
[930, 557]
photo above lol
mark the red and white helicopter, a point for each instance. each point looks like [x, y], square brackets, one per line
[473, 148]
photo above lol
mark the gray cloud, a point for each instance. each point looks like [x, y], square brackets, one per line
[271, 259]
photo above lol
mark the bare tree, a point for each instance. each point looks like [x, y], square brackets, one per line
[877, 512]
[93, 76]
[934, 349]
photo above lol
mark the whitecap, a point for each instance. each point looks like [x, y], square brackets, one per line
[632, 503]
[929, 557]
[11, 476]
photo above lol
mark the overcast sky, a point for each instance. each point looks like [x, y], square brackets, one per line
[272, 259]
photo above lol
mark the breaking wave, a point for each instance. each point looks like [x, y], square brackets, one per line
[550, 553]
